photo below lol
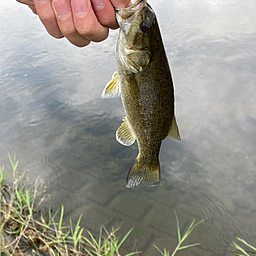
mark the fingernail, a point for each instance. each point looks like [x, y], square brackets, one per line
[79, 7]
[98, 4]
[61, 7]
[40, 1]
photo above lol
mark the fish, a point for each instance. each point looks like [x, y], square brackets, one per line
[144, 81]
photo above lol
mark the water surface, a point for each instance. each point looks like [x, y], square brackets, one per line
[52, 116]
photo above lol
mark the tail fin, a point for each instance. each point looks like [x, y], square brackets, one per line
[148, 173]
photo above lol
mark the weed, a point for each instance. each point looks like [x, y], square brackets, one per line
[22, 230]
[26, 228]
[241, 250]
[181, 239]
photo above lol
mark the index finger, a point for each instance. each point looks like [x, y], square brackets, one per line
[47, 17]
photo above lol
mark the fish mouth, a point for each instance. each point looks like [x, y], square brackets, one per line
[126, 13]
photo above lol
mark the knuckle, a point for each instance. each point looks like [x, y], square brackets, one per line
[55, 33]
[88, 31]
[79, 42]
[69, 31]
[107, 22]
[46, 18]
[94, 35]
[57, 36]
[80, 45]
[101, 38]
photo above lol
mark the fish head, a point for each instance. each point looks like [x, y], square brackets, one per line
[133, 47]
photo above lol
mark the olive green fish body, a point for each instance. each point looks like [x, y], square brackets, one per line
[144, 80]
[147, 96]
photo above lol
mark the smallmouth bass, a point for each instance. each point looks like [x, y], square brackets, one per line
[144, 80]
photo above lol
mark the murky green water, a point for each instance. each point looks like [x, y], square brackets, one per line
[53, 117]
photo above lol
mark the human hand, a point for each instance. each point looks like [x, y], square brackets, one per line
[80, 21]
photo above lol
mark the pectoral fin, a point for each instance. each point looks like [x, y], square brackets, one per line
[135, 60]
[124, 133]
[112, 89]
[174, 130]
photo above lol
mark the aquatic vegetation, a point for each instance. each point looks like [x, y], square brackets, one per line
[181, 239]
[241, 250]
[25, 228]
[110, 245]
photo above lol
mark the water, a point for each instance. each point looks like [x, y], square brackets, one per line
[52, 116]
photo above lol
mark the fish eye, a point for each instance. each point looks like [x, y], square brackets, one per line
[144, 27]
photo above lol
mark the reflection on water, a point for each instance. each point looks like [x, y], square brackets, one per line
[52, 116]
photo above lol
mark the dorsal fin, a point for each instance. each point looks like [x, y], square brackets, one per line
[124, 133]
[174, 130]
[112, 89]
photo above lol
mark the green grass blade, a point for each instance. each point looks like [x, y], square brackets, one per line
[3, 176]
[61, 217]
[158, 250]
[76, 233]
[26, 199]
[88, 242]
[243, 241]
[187, 246]
[18, 196]
[132, 253]
[190, 229]
[125, 237]
[95, 245]
[51, 218]
[106, 231]
[89, 253]
[178, 226]
[77, 237]
[13, 163]
[241, 249]
[77, 224]
[100, 237]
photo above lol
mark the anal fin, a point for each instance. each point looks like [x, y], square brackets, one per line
[112, 89]
[124, 133]
[174, 130]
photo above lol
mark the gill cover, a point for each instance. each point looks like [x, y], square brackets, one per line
[133, 48]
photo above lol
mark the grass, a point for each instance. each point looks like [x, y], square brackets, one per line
[181, 239]
[252, 250]
[26, 229]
